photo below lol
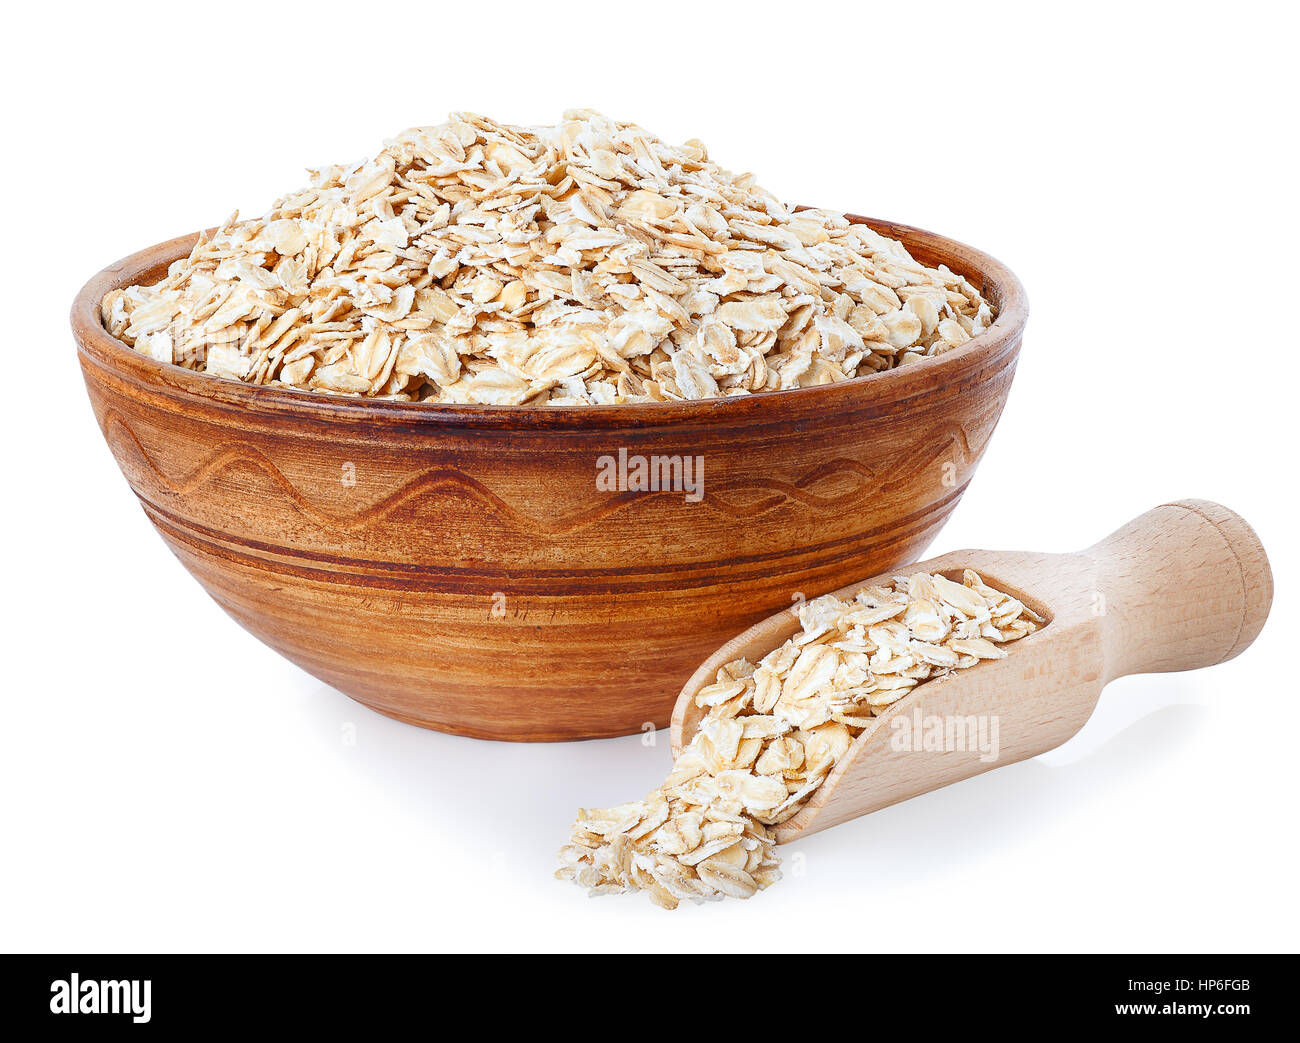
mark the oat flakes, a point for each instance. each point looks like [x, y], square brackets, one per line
[582, 263]
[773, 732]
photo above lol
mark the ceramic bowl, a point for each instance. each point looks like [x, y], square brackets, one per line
[466, 568]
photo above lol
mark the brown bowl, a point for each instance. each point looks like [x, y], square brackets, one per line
[458, 568]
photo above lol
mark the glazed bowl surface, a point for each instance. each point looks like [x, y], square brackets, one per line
[463, 568]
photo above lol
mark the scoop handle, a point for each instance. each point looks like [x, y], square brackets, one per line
[1183, 586]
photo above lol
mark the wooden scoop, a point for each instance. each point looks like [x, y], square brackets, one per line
[1185, 585]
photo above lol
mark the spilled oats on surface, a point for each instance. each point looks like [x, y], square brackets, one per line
[773, 732]
[582, 263]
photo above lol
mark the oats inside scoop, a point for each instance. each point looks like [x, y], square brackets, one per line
[773, 732]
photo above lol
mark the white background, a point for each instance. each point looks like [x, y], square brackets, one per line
[169, 783]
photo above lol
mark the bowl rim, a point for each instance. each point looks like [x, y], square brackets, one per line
[995, 280]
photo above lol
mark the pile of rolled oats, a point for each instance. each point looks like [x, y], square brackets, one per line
[772, 733]
[588, 262]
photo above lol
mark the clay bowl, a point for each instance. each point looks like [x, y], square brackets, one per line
[459, 568]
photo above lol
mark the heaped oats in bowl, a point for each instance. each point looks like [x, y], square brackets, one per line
[583, 263]
[332, 415]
